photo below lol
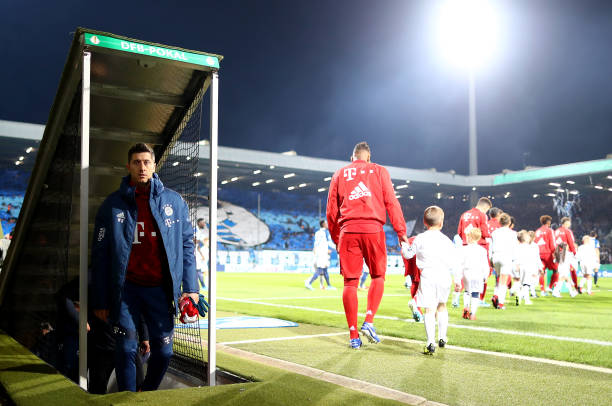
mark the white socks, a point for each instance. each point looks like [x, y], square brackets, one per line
[456, 297]
[442, 324]
[430, 326]
[589, 285]
[473, 305]
[466, 300]
[501, 293]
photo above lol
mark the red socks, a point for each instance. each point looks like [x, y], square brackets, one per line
[553, 280]
[349, 299]
[542, 283]
[484, 291]
[574, 278]
[375, 293]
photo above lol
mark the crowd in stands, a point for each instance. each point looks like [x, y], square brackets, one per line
[10, 206]
[293, 217]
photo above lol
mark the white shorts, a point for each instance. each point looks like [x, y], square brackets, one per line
[503, 266]
[587, 270]
[564, 272]
[432, 292]
[530, 279]
[473, 285]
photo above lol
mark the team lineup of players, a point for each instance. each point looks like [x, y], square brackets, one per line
[360, 197]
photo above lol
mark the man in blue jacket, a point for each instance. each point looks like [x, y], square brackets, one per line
[142, 263]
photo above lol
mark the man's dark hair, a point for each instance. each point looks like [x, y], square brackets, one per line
[494, 212]
[593, 234]
[198, 220]
[140, 147]
[321, 223]
[545, 219]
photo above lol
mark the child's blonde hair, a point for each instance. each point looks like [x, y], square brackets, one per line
[474, 235]
[523, 236]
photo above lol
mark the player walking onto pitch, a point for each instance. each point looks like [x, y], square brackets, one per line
[564, 259]
[545, 239]
[322, 249]
[503, 251]
[473, 272]
[360, 196]
[528, 264]
[436, 256]
[477, 218]
[587, 257]
[412, 271]
[564, 234]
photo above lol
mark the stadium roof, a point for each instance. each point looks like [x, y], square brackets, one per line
[250, 169]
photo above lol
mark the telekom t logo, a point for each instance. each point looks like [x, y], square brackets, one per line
[349, 173]
[137, 233]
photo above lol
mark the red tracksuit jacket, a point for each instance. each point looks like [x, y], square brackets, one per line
[565, 235]
[546, 241]
[474, 218]
[360, 196]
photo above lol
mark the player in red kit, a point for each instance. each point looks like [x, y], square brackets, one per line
[411, 269]
[492, 225]
[565, 234]
[360, 197]
[545, 239]
[477, 218]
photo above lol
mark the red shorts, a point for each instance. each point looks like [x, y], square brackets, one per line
[548, 263]
[410, 269]
[354, 248]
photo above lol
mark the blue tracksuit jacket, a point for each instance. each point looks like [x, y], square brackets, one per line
[112, 243]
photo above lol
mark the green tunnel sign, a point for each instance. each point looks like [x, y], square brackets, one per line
[151, 50]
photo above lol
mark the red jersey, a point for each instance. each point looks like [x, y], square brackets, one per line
[493, 224]
[474, 218]
[360, 196]
[545, 240]
[410, 267]
[148, 255]
[563, 234]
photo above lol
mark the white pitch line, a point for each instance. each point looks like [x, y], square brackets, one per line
[512, 356]
[303, 297]
[262, 340]
[486, 329]
[530, 334]
[453, 347]
[312, 309]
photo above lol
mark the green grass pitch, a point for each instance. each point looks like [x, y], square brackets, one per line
[576, 330]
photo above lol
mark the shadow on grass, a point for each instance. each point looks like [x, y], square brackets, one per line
[32, 368]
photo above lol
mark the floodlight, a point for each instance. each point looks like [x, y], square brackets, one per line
[467, 32]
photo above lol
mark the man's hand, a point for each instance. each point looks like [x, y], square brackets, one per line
[405, 239]
[144, 347]
[194, 296]
[102, 314]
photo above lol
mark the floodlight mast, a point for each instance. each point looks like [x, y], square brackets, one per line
[473, 150]
[467, 34]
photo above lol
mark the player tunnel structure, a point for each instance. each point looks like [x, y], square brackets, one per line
[114, 92]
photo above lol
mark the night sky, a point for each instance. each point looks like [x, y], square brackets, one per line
[318, 76]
